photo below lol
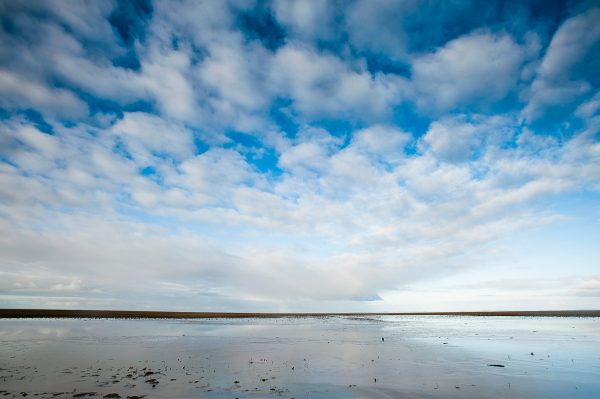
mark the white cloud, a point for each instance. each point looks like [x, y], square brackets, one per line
[202, 23]
[350, 213]
[310, 151]
[216, 174]
[574, 42]
[381, 140]
[380, 220]
[570, 44]
[89, 21]
[235, 75]
[165, 74]
[63, 50]
[451, 142]
[147, 137]
[589, 108]
[589, 287]
[322, 85]
[376, 26]
[16, 92]
[312, 20]
[472, 69]
[236, 83]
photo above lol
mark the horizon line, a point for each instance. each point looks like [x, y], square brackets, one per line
[160, 314]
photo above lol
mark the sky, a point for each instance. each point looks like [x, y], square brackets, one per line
[325, 156]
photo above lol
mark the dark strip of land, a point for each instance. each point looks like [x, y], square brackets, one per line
[138, 314]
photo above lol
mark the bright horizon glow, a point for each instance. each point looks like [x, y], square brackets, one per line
[300, 156]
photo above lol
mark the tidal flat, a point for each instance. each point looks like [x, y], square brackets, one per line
[302, 357]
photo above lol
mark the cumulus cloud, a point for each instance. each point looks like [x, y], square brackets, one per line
[472, 69]
[460, 138]
[370, 221]
[396, 30]
[206, 161]
[568, 66]
[146, 136]
[322, 85]
[451, 143]
[313, 20]
[383, 141]
[19, 93]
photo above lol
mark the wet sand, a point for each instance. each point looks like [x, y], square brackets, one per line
[302, 357]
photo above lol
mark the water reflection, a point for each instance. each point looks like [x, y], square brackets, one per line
[426, 356]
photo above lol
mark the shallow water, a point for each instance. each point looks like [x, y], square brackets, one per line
[421, 357]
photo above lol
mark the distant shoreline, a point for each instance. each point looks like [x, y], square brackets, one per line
[141, 314]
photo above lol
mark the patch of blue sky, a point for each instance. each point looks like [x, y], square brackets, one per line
[120, 148]
[37, 119]
[152, 174]
[565, 245]
[246, 140]
[99, 105]
[410, 120]
[282, 113]
[260, 24]
[559, 123]
[8, 161]
[200, 146]
[338, 127]
[255, 152]
[6, 114]
[583, 204]
[266, 161]
[32, 115]
[380, 63]
[129, 20]
[129, 60]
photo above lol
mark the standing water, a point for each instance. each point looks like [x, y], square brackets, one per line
[312, 357]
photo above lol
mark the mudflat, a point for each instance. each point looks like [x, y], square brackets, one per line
[356, 356]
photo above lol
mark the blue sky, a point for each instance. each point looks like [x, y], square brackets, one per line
[369, 155]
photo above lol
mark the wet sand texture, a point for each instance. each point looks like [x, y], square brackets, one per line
[302, 357]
